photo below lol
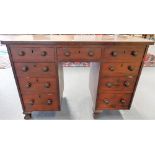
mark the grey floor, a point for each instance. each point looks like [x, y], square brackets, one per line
[77, 101]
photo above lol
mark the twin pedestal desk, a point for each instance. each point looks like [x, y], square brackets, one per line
[116, 65]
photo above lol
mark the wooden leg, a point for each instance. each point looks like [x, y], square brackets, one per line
[27, 116]
[96, 114]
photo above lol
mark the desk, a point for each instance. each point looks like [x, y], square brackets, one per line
[116, 64]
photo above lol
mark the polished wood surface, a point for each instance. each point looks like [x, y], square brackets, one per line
[116, 64]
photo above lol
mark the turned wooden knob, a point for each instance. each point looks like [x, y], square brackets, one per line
[123, 101]
[49, 102]
[134, 53]
[126, 84]
[109, 84]
[24, 68]
[28, 85]
[21, 53]
[131, 68]
[106, 101]
[111, 68]
[43, 53]
[31, 102]
[114, 53]
[67, 53]
[90, 53]
[47, 85]
[45, 69]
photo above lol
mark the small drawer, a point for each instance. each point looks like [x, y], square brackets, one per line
[40, 85]
[117, 83]
[30, 54]
[123, 54]
[35, 69]
[113, 101]
[119, 69]
[43, 102]
[85, 54]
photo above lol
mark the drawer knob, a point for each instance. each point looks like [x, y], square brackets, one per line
[45, 69]
[28, 85]
[43, 53]
[21, 53]
[24, 68]
[47, 85]
[106, 101]
[131, 68]
[31, 102]
[123, 101]
[67, 53]
[109, 84]
[90, 53]
[49, 102]
[111, 68]
[114, 53]
[134, 53]
[126, 84]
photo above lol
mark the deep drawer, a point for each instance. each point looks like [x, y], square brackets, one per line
[113, 101]
[43, 102]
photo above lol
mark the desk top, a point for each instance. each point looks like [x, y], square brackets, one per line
[8, 39]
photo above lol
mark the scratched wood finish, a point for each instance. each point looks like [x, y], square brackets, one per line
[113, 78]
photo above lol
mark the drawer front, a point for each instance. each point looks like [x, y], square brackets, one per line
[117, 83]
[123, 54]
[65, 54]
[30, 54]
[35, 69]
[43, 102]
[117, 69]
[113, 101]
[30, 85]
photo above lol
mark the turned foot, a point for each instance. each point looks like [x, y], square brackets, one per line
[27, 116]
[96, 115]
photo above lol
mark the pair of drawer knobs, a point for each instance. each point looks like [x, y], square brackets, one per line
[130, 68]
[133, 53]
[109, 84]
[46, 85]
[68, 53]
[22, 53]
[44, 69]
[106, 101]
[49, 102]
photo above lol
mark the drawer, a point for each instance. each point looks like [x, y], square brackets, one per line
[43, 102]
[113, 101]
[30, 85]
[35, 69]
[123, 54]
[30, 54]
[65, 54]
[117, 83]
[118, 69]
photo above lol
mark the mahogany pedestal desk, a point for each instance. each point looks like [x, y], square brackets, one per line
[116, 65]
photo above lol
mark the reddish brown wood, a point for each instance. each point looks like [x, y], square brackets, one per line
[40, 85]
[117, 84]
[41, 102]
[78, 53]
[118, 62]
[120, 69]
[123, 53]
[113, 101]
[35, 69]
[33, 54]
